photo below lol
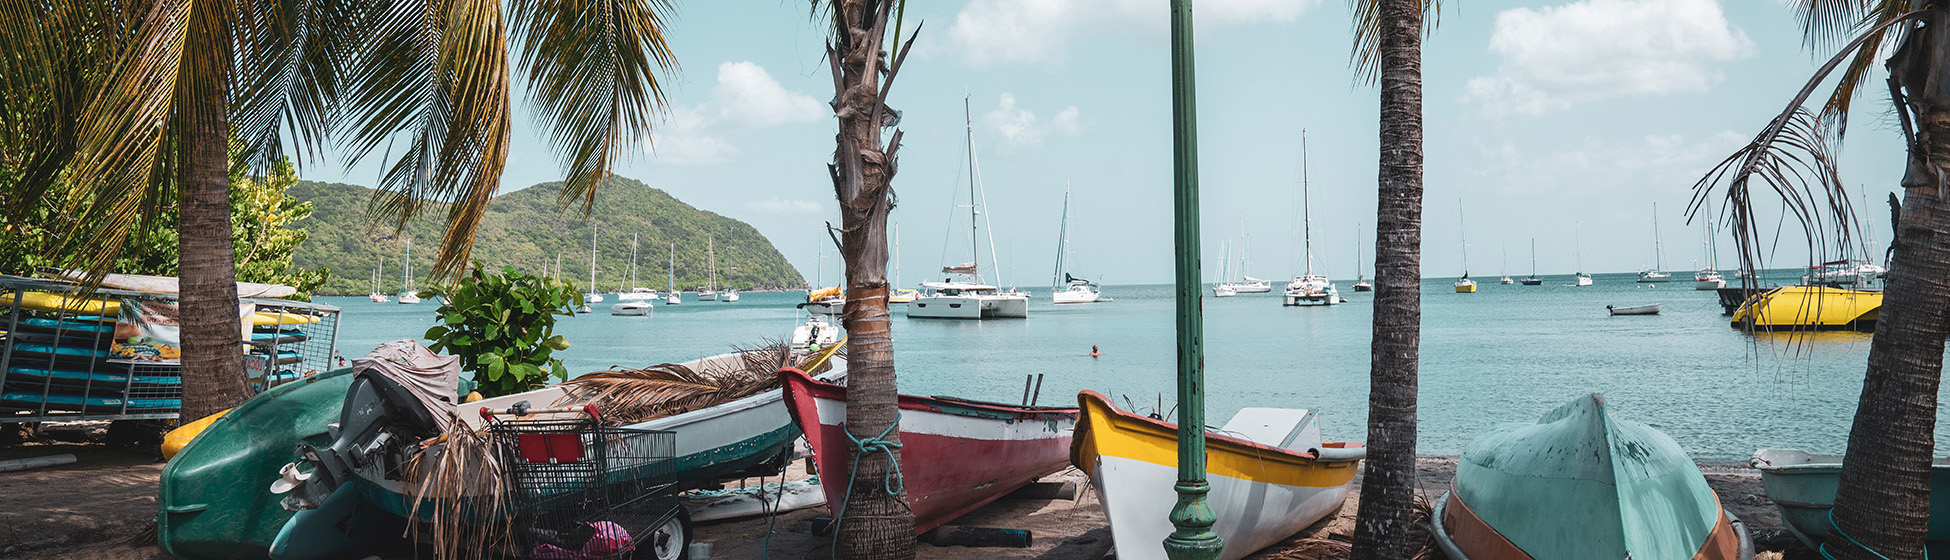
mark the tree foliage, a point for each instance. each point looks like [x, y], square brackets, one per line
[503, 328]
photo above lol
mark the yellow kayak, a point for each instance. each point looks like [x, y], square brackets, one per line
[181, 436]
[63, 303]
[270, 318]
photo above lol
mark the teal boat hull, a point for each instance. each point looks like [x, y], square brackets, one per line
[215, 496]
[1803, 486]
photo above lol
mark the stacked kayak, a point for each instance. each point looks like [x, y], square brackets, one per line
[1580, 484]
[60, 360]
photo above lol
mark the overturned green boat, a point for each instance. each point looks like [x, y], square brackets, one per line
[1578, 485]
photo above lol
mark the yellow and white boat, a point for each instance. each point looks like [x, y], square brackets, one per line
[1810, 308]
[903, 295]
[1271, 475]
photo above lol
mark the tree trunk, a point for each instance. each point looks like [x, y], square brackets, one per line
[1883, 501]
[1388, 488]
[213, 359]
[876, 524]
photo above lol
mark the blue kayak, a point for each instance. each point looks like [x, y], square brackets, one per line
[114, 376]
[61, 351]
[62, 400]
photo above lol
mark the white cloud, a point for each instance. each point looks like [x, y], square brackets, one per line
[745, 98]
[1018, 127]
[776, 205]
[989, 32]
[1589, 50]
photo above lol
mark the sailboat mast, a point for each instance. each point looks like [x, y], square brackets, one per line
[1062, 240]
[1577, 244]
[1658, 250]
[1306, 205]
[592, 258]
[1358, 272]
[632, 262]
[670, 273]
[711, 255]
[897, 255]
[974, 222]
[406, 272]
[1464, 236]
[1533, 257]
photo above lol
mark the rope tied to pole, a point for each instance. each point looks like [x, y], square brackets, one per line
[1832, 526]
[891, 482]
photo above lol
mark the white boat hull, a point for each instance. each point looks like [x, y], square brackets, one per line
[1077, 296]
[969, 307]
[1251, 515]
[630, 309]
[1583, 281]
[1224, 291]
[1713, 284]
[1253, 288]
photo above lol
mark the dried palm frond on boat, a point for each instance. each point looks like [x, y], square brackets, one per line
[466, 462]
[631, 395]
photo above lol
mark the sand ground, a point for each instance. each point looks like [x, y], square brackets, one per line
[99, 507]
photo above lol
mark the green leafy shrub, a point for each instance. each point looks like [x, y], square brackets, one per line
[503, 328]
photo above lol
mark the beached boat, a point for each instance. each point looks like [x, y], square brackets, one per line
[956, 455]
[1803, 486]
[1810, 308]
[1579, 484]
[1271, 475]
[1647, 309]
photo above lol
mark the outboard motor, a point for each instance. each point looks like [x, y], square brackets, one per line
[380, 427]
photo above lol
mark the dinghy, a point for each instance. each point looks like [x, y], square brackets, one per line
[1578, 484]
[1271, 475]
[956, 455]
[1803, 486]
[1647, 309]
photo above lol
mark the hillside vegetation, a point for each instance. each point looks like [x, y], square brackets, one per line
[527, 229]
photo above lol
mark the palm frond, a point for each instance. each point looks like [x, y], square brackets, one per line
[631, 395]
[592, 71]
[1867, 55]
[1366, 54]
[299, 50]
[53, 48]
[435, 76]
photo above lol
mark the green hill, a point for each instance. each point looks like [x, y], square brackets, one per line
[527, 230]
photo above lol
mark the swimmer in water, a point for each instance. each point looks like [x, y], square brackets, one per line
[1093, 351]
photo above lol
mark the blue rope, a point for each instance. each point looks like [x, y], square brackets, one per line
[891, 482]
[1851, 540]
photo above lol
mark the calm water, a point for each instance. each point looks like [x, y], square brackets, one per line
[1504, 354]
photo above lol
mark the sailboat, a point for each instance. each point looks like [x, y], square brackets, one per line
[969, 298]
[1708, 278]
[593, 296]
[1657, 273]
[1224, 288]
[673, 296]
[1577, 241]
[899, 295]
[1506, 266]
[1360, 279]
[710, 291]
[377, 274]
[406, 295]
[635, 293]
[1063, 287]
[1246, 284]
[1532, 279]
[1464, 285]
[1309, 288]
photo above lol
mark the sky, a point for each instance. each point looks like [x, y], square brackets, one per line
[1562, 122]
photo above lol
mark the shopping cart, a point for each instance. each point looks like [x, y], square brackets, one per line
[579, 489]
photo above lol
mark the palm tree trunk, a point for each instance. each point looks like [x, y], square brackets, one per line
[213, 361]
[876, 525]
[1883, 501]
[1388, 485]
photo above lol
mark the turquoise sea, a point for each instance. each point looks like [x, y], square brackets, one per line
[1504, 354]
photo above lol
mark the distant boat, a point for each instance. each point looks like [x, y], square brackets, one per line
[898, 295]
[1063, 287]
[1532, 279]
[1802, 485]
[825, 301]
[969, 297]
[1463, 285]
[1506, 266]
[1271, 475]
[710, 291]
[1308, 288]
[1577, 239]
[1648, 309]
[377, 274]
[1810, 308]
[1657, 273]
[406, 295]
[635, 293]
[1708, 278]
[1360, 281]
[1246, 284]
[1581, 483]
[1224, 288]
[817, 332]
[730, 295]
[672, 296]
[635, 308]
[593, 296]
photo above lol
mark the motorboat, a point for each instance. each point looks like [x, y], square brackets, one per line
[1647, 309]
[956, 454]
[1803, 485]
[1270, 474]
[635, 308]
[1581, 483]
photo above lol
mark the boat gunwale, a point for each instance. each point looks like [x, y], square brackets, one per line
[1447, 544]
[818, 389]
[1211, 437]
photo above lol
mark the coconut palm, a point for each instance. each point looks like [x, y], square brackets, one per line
[875, 521]
[1388, 48]
[118, 108]
[1882, 505]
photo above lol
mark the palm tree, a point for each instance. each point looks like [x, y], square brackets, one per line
[876, 522]
[1388, 46]
[1882, 504]
[121, 108]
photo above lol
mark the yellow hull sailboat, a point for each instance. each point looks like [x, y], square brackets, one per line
[1271, 475]
[1810, 308]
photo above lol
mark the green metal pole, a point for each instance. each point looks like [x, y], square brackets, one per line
[1192, 517]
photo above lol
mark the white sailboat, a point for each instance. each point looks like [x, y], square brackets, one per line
[1063, 287]
[1577, 241]
[1224, 288]
[969, 297]
[1463, 285]
[1309, 288]
[710, 290]
[1708, 278]
[406, 295]
[593, 296]
[1658, 271]
[672, 296]
[635, 293]
[1361, 283]
[1506, 266]
[1246, 284]
[377, 274]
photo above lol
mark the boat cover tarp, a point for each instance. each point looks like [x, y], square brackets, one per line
[432, 378]
[1580, 485]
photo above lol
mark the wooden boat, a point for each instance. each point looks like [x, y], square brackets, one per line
[1647, 309]
[212, 493]
[1271, 475]
[1803, 486]
[1578, 484]
[956, 455]
[1810, 308]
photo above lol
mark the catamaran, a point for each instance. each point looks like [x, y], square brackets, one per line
[1309, 288]
[1658, 271]
[1463, 285]
[1532, 279]
[969, 297]
[406, 295]
[1063, 287]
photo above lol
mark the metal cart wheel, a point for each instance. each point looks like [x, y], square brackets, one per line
[669, 541]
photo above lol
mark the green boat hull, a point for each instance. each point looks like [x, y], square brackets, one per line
[1803, 487]
[215, 496]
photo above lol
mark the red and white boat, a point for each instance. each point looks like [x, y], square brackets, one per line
[956, 455]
